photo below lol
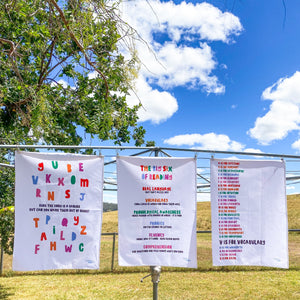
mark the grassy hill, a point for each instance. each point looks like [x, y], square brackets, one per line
[109, 206]
[293, 206]
[123, 283]
[110, 219]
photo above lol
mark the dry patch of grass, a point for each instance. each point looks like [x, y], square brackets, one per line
[293, 208]
[203, 216]
[110, 221]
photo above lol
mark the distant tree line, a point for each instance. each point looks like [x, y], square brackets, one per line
[109, 206]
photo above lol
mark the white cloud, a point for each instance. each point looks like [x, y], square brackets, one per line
[201, 170]
[285, 89]
[157, 106]
[252, 150]
[296, 145]
[233, 158]
[290, 187]
[61, 82]
[283, 115]
[201, 20]
[93, 75]
[185, 66]
[178, 36]
[210, 141]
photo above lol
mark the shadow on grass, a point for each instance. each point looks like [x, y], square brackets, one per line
[5, 292]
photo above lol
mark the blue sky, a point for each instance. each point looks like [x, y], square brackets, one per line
[221, 74]
[224, 74]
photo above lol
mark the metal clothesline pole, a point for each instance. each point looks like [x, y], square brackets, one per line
[155, 270]
[158, 149]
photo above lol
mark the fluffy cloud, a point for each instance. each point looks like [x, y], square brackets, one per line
[201, 20]
[157, 106]
[62, 82]
[283, 115]
[296, 145]
[177, 52]
[210, 141]
[185, 66]
[252, 150]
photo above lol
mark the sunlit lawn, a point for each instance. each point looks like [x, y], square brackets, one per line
[205, 282]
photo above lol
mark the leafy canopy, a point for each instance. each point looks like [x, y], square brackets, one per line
[61, 76]
[60, 70]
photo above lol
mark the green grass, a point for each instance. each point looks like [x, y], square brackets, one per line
[110, 219]
[242, 284]
[293, 208]
[206, 282]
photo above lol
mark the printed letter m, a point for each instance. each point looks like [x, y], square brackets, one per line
[84, 182]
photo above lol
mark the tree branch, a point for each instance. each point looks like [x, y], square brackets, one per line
[53, 68]
[43, 70]
[53, 2]
[12, 56]
[57, 83]
[13, 47]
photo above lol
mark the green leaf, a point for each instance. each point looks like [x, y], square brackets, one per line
[7, 209]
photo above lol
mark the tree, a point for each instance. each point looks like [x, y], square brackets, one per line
[42, 43]
[62, 76]
[6, 209]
